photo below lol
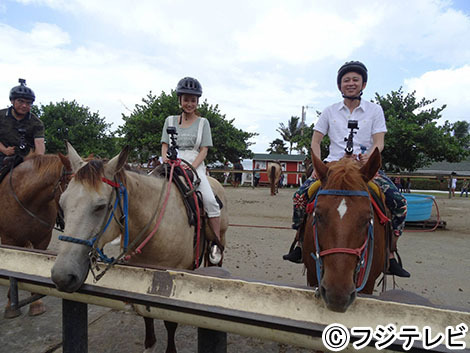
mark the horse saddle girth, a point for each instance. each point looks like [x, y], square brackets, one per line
[179, 179]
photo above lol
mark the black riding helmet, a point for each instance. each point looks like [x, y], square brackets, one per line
[352, 66]
[189, 85]
[22, 91]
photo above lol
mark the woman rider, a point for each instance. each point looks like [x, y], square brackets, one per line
[194, 140]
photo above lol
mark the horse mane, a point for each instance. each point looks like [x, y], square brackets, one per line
[45, 164]
[92, 173]
[345, 175]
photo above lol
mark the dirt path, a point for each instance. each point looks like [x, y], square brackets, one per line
[438, 261]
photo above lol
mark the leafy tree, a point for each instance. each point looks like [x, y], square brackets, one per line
[277, 146]
[290, 132]
[462, 131]
[86, 131]
[142, 129]
[304, 141]
[414, 140]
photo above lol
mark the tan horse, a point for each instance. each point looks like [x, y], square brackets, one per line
[274, 174]
[29, 200]
[85, 204]
[341, 229]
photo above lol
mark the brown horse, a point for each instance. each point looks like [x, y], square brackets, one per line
[342, 231]
[274, 174]
[29, 197]
[87, 202]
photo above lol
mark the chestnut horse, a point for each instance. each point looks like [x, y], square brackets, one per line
[344, 242]
[29, 196]
[274, 174]
[88, 205]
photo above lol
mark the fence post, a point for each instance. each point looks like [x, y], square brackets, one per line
[13, 310]
[74, 327]
[211, 341]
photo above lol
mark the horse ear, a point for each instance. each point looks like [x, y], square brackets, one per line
[75, 160]
[66, 162]
[117, 163]
[321, 170]
[370, 169]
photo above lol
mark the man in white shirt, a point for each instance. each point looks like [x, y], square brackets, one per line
[351, 81]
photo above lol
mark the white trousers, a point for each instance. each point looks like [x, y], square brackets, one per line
[211, 206]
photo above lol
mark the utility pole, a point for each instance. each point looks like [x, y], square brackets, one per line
[302, 120]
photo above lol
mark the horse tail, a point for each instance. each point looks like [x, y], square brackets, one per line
[273, 179]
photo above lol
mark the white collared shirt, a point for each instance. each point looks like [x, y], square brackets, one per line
[333, 122]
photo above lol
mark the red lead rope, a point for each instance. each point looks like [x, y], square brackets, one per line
[157, 225]
[147, 239]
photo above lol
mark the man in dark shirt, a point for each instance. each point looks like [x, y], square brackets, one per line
[20, 130]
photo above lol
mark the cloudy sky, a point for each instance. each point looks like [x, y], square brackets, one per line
[260, 61]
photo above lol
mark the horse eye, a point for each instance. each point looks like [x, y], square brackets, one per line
[99, 208]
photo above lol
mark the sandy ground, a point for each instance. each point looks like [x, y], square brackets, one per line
[438, 261]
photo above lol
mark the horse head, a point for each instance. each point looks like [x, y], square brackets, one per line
[342, 221]
[87, 204]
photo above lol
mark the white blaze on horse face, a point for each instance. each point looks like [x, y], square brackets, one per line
[342, 208]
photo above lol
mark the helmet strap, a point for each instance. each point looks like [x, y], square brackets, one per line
[352, 97]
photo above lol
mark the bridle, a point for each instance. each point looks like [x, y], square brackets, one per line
[364, 253]
[63, 179]
[121, 200]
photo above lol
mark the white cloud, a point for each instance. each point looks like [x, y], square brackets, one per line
[450, 87]
[260, 61]
[48, 35]
[422, 29]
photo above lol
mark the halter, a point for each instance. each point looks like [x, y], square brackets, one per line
[364, 253]
[95, 252]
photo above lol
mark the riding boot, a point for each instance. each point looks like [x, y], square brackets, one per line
[295, 252]
[395, 267]
[294, 256]
[217, 248]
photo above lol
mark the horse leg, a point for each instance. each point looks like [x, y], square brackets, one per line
[150, 339]
[170, 329]
[37, 307]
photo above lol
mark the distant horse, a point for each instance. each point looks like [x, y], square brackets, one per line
[89, 196]
[274, 174]
[343, 233]
[29, 196]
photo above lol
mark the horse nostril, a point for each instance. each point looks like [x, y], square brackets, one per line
[323, 291]
[352, 296]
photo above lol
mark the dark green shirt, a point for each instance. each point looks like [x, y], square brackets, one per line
[11, 131]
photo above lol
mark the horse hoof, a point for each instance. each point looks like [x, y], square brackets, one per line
[152, 349]
[11, 313]
[36, 309]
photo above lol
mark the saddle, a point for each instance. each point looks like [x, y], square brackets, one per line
[179, 179]
[8, 163]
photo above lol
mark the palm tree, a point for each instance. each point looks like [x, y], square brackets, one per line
[290, 131]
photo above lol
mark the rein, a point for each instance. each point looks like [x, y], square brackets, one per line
[364, 253]
[64, 173]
